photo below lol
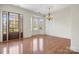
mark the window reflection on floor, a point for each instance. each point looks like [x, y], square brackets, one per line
[13, 49]
[41, 44]
[35, 44]
[5, 50]
[21, 48]
[38, 44]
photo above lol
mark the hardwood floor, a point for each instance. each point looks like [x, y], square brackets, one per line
[38, 44]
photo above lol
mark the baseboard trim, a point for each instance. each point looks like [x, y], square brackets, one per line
[57, 36]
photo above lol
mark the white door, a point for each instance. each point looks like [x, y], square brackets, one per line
[38, 25]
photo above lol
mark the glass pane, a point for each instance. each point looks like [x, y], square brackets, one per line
[13, 22]
[21, 23]
[38, 25]
[35, 24]
[4, 21]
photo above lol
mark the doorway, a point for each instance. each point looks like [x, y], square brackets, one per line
[38, 25]
[12, 25]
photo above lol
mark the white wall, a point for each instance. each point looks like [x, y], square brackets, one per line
[60, 25]
[75, 28]
[0, 28]
[26, 17]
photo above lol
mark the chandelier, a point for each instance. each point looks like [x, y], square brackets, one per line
[49, 16]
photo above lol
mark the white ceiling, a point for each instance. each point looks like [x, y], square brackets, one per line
[43, 8]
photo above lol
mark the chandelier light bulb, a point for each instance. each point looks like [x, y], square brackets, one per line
[49, 16]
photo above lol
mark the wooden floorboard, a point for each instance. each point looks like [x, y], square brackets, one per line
[37, 44]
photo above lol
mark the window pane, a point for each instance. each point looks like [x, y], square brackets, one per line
[4, 21]
[21, 23]
[13, 22]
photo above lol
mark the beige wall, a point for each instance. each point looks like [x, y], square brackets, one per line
[26, 17]
[61, 24]
[0, 28]
[75, 27]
